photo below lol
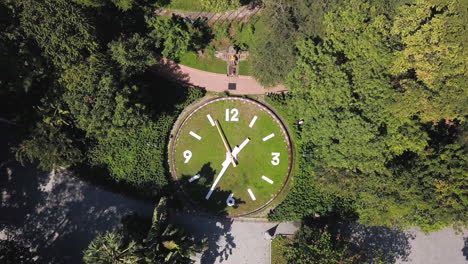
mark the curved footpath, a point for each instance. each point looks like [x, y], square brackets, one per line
[215, 82]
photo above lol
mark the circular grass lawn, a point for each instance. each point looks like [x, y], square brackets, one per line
[263, 164]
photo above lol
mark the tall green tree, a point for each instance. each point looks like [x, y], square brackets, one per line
[431, 66]
[123, 5]
[60, 29]
[134, 55]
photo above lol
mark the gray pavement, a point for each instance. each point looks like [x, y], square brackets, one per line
[443, 247]
[56, 215]
[233, 241]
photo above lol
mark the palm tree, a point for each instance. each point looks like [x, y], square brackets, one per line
[111, 248]
[164, 243]
[167, 243]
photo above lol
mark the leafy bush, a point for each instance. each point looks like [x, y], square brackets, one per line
[219, 5]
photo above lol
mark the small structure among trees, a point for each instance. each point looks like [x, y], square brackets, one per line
[233, 55]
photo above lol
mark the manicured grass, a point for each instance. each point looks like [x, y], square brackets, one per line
[208, 62]
[187, 5]
[245, 68]
[254, 160]
[277, 250]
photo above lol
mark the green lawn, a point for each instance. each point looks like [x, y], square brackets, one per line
[254, 160]
[277, 250]
[208, 62]
[212, 64]
[188, 5]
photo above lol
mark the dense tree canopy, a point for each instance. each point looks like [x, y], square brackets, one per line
[370, 125]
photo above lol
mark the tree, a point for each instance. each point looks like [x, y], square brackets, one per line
[171, 35]
[316, 245]
[353, 143]
[167, 243]
[433, 33]
[273, 50]
[111, 248]
[133, 55]
[60, 29]
[176, 35]
[123, 5]
[98, 100]
[162, 242]
[12, 252]
[23, 72]
[136, 155]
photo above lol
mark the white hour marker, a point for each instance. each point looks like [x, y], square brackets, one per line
[253, 121]
[210, 119]
[187, 156]
[265, 178]
[268, 137]
[194, 135]
[194, 178]
[251, 194]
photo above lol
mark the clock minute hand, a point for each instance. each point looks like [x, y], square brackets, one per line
[220, 174]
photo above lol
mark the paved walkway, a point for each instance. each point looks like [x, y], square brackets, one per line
[215, 82]
[443, 247]
[242, 14]
[233, 241]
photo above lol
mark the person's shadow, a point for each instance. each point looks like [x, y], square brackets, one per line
[465, 248]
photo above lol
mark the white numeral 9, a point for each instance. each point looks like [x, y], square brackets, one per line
[234, 113]
[275, 159]
[187, 155]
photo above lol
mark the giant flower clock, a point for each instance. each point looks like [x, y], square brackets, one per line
[231, 155]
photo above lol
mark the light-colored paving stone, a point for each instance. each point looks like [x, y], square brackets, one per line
[443, 247]
[215, 82]
[232, 241]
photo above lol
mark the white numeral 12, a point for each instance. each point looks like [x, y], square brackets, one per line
[275, 159]
[233, 114]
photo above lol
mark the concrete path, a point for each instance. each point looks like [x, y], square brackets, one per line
[242, 14]
[55, 214]
[233, 242]
[214, 82]
[442, 247]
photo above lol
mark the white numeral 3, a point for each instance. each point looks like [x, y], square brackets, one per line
[275, 159]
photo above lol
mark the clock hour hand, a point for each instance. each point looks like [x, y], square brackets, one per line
[237, 149]
[225, 164]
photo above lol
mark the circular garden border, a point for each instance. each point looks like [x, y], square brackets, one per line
[173, 145]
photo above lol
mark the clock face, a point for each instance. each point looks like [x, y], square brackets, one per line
[231, 156]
